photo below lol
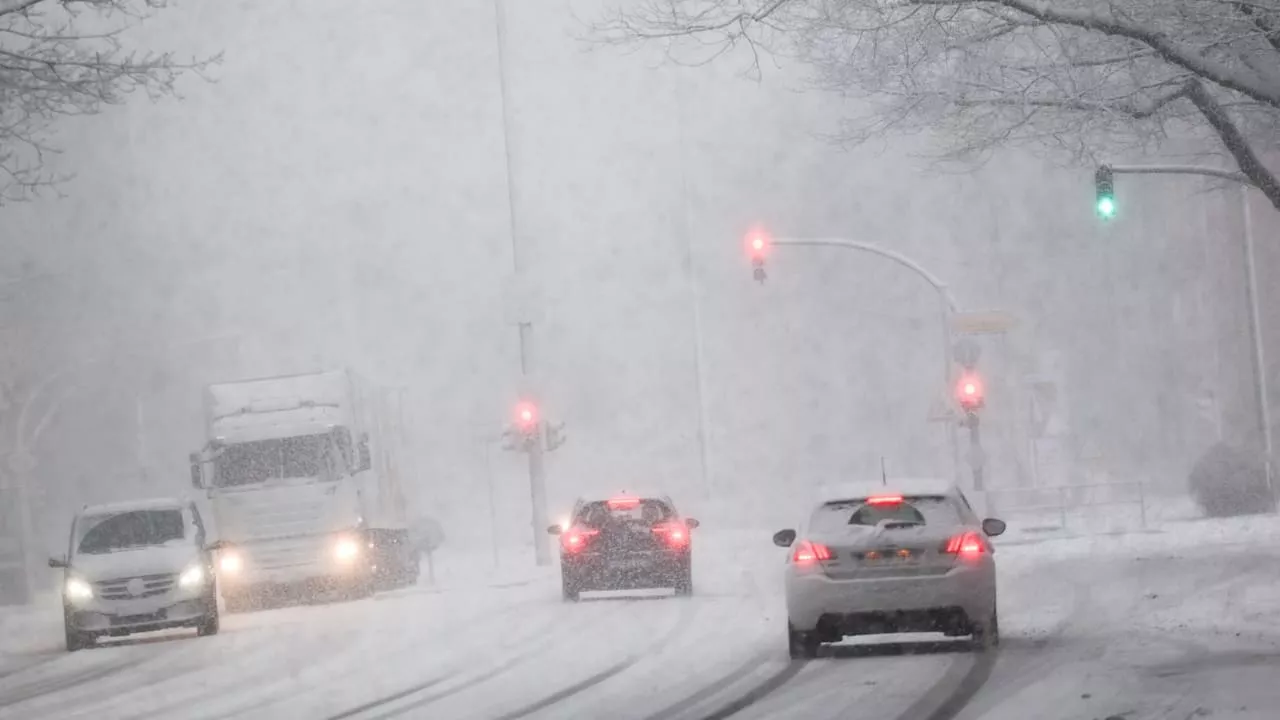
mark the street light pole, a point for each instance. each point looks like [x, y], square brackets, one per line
[949, 307]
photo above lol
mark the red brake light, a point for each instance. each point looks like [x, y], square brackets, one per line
[574, 539]
[966, 545]
[676, 534]
[808, 553]
[624, 502]
[884, 500]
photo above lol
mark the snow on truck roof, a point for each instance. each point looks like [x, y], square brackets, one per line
[895, 486]
[132, 505]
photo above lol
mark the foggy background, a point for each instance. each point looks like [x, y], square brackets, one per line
[339, 197]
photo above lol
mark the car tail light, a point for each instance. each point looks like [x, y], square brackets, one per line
[622, 502]
[574, 539]
[675, 534]
[969, 544]
[808, 553]
[884, 500]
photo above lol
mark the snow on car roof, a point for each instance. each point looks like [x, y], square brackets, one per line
[895, 486]
[168, 503]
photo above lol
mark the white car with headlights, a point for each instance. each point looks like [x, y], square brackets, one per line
[137, 567]
[875, 560]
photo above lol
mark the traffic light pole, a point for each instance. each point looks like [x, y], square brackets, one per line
[975, 450]
[538, 498]
[1251, 287]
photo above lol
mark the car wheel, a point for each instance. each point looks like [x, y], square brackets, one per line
[568, 588]
[986, 634]
[210, 624]
[77, 640]
[684, 584]
[802, 645]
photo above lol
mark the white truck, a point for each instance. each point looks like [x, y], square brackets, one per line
[303, 476]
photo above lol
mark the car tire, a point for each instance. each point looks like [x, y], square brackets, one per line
[684, 582]
[986, 634]
[77, 640]
[569, 589]
[802, 645]
[210, 624]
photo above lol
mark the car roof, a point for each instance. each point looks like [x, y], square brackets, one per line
[160, 503]
[895, 486]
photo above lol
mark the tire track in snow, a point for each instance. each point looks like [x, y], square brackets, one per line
[455, 628]
[686, 615]
[711, 689]
[542, 631]
[761, 690]
[47, 686]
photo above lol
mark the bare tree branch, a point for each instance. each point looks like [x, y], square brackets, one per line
[1071, 76]
[68, 58]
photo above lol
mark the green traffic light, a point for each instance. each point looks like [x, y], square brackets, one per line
[1106, 206]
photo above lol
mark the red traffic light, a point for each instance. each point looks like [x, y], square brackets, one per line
[969, 392]
[757, 245]
[526, 415]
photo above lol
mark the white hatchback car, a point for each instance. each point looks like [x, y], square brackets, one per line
[136, 567]
[891, 560]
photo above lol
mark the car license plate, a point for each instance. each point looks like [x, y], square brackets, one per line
[889, 557]
[633, 563]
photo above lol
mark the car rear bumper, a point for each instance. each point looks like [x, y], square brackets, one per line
[589, 574]
[903, 604]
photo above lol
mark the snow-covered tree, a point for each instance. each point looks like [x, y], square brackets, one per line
[1080, 76]
[66, 58]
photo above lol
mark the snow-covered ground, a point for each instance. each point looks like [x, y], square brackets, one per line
[1176, 622]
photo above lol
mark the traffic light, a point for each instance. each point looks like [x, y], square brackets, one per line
[1104, 184]
[526, 417]
[969, 392]
[757, 250]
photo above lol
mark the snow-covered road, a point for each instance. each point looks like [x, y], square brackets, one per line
[1179, 624]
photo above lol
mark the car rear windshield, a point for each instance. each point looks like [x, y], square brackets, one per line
[926, 510]
[127, 530]
[647, 511]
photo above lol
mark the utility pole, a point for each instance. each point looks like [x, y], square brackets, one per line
[524, 326]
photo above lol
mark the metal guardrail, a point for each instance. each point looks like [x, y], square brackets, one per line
[1062, 500]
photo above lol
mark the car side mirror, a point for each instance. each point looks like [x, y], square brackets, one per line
[57, 562]
[555, 530]
[692, 523]
[216, 545]
[993, 527]
[784, 538]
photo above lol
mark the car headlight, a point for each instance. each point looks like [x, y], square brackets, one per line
[230, 562]
[77, 590]
[192, 577]
[346, 549]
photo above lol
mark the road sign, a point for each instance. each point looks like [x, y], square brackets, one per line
[966, 352]
[983, 322]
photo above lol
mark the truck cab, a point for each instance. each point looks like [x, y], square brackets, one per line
[298, 499]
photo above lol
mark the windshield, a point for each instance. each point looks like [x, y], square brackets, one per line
[306, 456]
[599, 514]
[839, 515]
[128, 530]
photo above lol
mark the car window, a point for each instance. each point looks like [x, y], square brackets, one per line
[927, 510]
[649, 512]
[128, 530]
